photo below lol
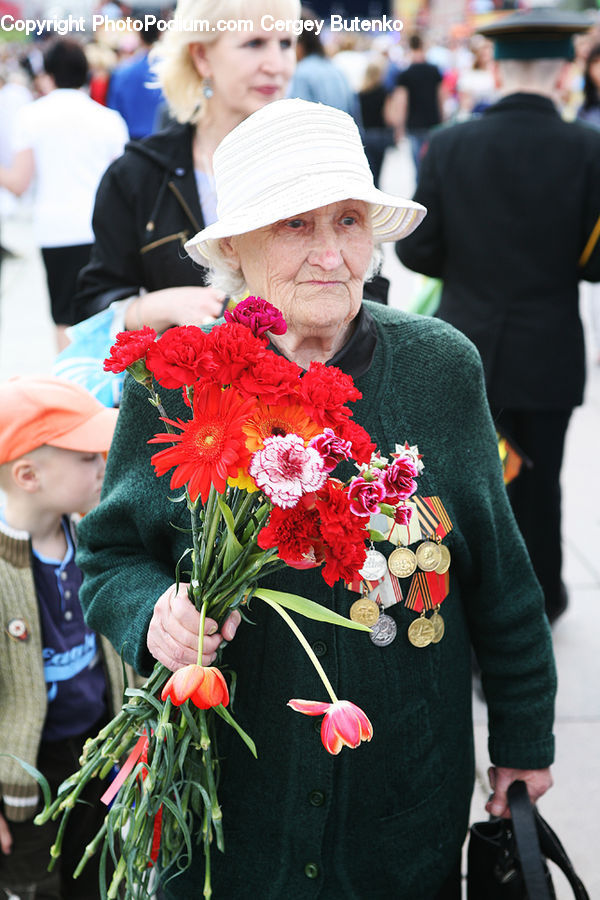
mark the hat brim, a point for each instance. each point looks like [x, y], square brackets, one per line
[393, 218]
[93, 436]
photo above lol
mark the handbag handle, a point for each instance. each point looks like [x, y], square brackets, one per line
[534, 837]
[524, 827]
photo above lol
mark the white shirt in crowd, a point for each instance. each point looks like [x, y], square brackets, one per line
[73, 139]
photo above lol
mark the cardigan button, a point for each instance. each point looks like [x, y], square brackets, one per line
[316, 798]
[311, 870]
[319, 648]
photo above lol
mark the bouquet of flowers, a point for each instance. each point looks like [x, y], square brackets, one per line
[254, 464]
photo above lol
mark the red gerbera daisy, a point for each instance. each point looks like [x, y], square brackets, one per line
[211, 446]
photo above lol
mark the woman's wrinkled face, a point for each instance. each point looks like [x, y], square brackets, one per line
[311, 267]
[247, 70]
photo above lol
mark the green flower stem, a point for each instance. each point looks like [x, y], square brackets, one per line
[290, 622]
[209, 533]
[56, 847]
[207, 891]
[91, 849]
[117, 879]
[201, 633]
[247, 576]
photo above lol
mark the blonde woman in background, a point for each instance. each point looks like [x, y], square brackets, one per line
[161, 191]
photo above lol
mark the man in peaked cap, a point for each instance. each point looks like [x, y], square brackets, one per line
[513, 199]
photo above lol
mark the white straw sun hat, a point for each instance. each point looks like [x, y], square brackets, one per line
[288, 158]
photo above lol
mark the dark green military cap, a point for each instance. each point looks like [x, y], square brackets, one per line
[540, 33]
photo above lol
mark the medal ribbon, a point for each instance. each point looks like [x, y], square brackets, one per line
[433, 518]
[427, 589]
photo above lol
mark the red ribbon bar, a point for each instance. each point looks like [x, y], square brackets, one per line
[133, 757]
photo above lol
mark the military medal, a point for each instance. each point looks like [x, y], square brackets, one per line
[444, 563]
[438, 627]
[374, 567]
[365, 611]
[383, 631]
[428, 555]
[402, 562]
[421, 631]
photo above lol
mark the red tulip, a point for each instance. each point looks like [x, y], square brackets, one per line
[205, 686]
[344, 723]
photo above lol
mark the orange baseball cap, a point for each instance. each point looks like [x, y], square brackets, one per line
[37, 410]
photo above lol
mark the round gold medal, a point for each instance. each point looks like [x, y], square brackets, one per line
[420, 632]
[438, 627]
[429, 556]
[402, 562]
[364, 611]
[444, 564]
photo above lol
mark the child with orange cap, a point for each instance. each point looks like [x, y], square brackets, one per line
[58, 680]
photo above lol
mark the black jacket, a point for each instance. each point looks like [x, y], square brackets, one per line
[146, 208]
[512, 198]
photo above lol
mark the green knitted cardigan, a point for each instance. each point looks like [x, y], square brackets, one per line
[23, 700]
[387, 819]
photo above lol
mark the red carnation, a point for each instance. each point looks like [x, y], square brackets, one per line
[362, 445]
[181, 357]
[274, 379]
[258, 315]
[324, 390]
[234, 349]
[295, 533]
[129, 347]
[343, 534]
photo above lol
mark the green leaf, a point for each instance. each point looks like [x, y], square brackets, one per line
[308, 608]
[376, 535]
[233, 548]
[31, 770]
[226, 715]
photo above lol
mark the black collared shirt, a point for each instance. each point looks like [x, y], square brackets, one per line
[356, 356]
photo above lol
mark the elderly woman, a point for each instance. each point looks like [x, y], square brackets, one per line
[299, 220]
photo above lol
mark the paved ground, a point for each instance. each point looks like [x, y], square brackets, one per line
[572, 807]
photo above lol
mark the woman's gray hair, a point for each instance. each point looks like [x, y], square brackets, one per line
[222, 274]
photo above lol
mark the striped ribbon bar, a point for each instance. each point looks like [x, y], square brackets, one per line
[433, 518]
[427, 589]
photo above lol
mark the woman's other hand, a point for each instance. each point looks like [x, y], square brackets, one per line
[538, 781]
[175, 306]
[173, 632]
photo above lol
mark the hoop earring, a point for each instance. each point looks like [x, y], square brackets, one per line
[207, 88]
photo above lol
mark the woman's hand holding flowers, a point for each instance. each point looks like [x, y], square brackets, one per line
[173, 632]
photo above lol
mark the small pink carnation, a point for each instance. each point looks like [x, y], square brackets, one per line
[331, 448]
[285, 469]
[365, 496]
[402, 515]
[398, 479]
[258, 315]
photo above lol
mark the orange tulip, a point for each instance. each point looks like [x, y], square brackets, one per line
[205, 686]
[344, 723]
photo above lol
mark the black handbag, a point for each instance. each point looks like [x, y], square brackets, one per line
[507, 857]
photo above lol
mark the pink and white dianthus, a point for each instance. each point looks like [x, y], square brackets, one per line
[285, 469]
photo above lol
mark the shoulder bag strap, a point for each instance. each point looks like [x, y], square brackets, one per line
[553, 849]
[526, 836]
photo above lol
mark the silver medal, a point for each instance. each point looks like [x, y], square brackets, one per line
[374, 567]
[383, 631]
